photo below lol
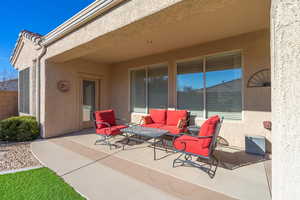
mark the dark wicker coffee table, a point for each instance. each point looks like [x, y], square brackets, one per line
[143, 134]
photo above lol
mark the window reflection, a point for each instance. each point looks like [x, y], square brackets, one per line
[190, 86]
[224, 86]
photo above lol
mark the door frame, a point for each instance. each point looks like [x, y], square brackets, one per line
[97, 79]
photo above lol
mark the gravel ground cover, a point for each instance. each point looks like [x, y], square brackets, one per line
[16, 156]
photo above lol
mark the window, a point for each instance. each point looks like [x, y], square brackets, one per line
[218, 84]
[138, 91]
[158, 87]
[190, 86]
[149, 88]
[224, 86]
[24, 91]
[89, 99]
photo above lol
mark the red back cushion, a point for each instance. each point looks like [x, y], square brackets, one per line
[173, 116]
[208, 129]
[158, 116]
[107, 116]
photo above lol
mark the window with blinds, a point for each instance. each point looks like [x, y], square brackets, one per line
[138, 91]
[149, 88]
[211, 86]
[190, 85]
[24, 91]
[158, 87]
[224, 86]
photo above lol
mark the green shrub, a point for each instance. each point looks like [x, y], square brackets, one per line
[18, 129]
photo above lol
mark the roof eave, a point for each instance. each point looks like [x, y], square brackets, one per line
[33, 37]
[84, 16]
[92, 11]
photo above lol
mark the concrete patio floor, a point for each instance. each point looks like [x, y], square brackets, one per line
[100, 173]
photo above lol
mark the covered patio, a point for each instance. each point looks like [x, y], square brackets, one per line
[192, 55]
[199, 55]
[98, 172]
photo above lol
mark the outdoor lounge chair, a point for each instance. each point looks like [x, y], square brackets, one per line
[106, 127]
[201, 146]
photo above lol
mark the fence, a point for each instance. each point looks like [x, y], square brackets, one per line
[8, 104]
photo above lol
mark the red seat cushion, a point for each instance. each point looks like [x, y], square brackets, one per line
[158, 116]
[208, 129]
[153, 125]
[173, 116]
[107, 116]
[191, 145]
[109, 131]
[173, 129]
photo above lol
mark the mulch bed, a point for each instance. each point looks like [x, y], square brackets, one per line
[16, 156]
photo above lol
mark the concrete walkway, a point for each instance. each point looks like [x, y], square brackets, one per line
[100, 173]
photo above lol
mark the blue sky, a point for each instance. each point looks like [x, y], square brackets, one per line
[33, 15]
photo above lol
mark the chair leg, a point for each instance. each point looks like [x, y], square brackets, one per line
[187, 157]
[109, 144]
[173, 139]
[104, 140]
[214, 162]
[178, 160]
[101, 139]
[188, 160]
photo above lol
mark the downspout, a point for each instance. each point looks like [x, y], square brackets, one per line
[38, 82]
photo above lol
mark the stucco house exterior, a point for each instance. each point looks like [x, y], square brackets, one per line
[132, 55]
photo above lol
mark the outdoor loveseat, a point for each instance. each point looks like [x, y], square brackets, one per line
[174, 121]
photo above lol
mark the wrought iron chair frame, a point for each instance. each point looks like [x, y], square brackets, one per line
[105, 139]
[211, 157]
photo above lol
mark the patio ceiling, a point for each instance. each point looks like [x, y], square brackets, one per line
[184, 24]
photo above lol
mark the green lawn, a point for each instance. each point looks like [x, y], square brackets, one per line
[37, 184]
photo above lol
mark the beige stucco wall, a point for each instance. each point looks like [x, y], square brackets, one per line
[257, 101]
[61, 110]
[8, 104]
[285, 99]
[26, 54]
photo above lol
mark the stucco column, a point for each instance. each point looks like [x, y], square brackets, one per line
[285, 30]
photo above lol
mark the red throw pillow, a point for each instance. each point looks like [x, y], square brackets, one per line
[173, 116]
[146, 120]
[181, 123]
[158, 116]
[208, 129]
[107, 116]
